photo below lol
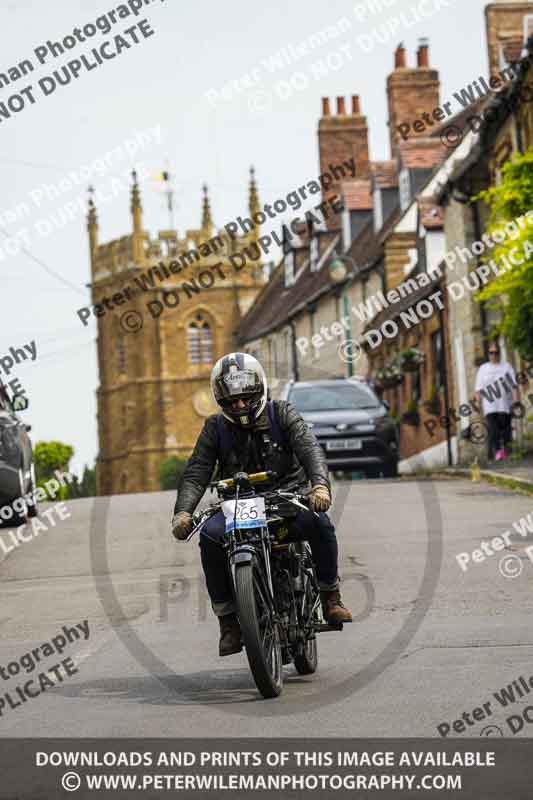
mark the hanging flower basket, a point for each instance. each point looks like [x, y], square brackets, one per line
[410, 360]
[388, 377]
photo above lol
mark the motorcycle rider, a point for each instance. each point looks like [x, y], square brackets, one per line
[253, 424]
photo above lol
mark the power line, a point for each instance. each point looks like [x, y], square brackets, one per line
[44, 266]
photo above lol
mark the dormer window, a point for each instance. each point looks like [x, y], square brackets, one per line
[405, 188]
[289, 269]
[346, 233]
[314, 253]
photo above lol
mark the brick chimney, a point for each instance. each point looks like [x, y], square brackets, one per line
[411, 91]
[504, 22]
[341, 137]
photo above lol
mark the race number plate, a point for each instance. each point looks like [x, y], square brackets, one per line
[250, 513]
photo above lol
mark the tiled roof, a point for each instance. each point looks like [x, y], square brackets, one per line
[423, 153]
[356, 195]
[384, 174]
[275, 303]
[395, 309]
[431, 214]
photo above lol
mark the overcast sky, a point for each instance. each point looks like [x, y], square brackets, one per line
[174, 79]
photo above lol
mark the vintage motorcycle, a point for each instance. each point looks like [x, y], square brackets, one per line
[274, 582]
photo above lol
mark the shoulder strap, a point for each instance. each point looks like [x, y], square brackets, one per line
[278, 434]
[225, 441]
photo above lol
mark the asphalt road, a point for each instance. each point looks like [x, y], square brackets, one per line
[431, 642]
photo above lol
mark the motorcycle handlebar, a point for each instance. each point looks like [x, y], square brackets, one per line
[255, 477]
[200, 517]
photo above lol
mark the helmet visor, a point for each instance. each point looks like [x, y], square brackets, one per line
[240, 382]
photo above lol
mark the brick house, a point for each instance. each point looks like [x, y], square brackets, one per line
[305, 301]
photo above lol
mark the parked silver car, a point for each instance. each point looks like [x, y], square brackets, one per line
[351, 423]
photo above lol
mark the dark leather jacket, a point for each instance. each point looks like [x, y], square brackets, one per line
[298, 460]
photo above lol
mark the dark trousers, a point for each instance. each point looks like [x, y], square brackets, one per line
[319, 531]
[500, 434]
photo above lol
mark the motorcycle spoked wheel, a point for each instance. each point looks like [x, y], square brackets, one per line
[306, 658]
[259, 632]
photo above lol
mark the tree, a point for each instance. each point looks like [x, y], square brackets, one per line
[84, 488]
[88, 482]
[512, 291]
[170, 471]
[51, 456]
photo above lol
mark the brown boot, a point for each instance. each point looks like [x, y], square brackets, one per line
[230, 635]
[335, 612]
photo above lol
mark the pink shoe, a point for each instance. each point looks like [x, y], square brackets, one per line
[500, 455]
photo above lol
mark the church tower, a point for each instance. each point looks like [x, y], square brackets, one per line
[166, 308]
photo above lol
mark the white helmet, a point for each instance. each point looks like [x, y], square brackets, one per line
[239, 376]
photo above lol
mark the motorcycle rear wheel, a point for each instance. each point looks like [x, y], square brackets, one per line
[259, 631]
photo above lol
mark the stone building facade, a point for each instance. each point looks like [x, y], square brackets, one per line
[508, 129]
[172, 306]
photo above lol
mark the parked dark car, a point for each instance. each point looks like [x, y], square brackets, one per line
[17, 475]
[351, 423]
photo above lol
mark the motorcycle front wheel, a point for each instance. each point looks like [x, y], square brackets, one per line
[259, 631]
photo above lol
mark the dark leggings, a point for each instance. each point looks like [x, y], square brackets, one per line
[500, 434]
[318, 530]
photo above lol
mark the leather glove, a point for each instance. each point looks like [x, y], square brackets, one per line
[182, 525]
[319, 498]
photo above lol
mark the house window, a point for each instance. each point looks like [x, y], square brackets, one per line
[121, 357]
[437, 354]
[405, 189]
[200, 341]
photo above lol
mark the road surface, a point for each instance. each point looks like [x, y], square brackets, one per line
[432, 641]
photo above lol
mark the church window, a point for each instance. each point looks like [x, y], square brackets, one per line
[200, 341]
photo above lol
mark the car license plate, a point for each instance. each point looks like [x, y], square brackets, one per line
[344, 444]
[250, 513]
